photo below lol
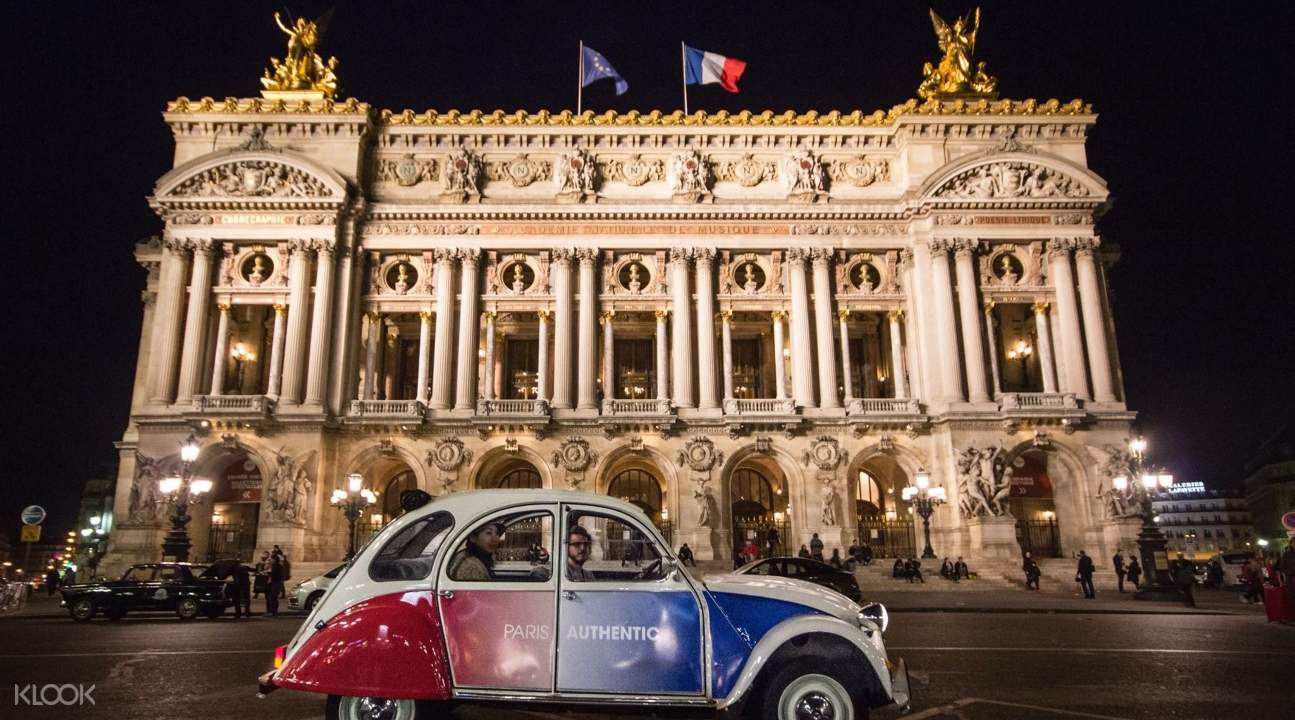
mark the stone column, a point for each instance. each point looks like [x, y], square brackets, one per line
[542, 365]
[298, 302]
[1072, 341]
[1090, 299]
[682, 350]
[276, 350]
[779, 360]
[488, 371]
[195, 326]
[465, 390]
[371, 358]
[1058, 351]
[443, 343]
[846, 376]
[1047, 370]
[969, 310]
[587, 384]
[344, 356]
[609, 355]
[222, 349]
[662, 357]
[424, 354]
[321, 325]
[897, 354]
[913, 345]
[167, 320]
[991, 343]
[827, 397]
[726, 339]
[563, 312]
[705, 258]
[945, 332]
[802, 375]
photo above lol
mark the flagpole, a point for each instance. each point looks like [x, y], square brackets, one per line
[580, 85]
[683, 65]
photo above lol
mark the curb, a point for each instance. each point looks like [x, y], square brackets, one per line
[1056, 611]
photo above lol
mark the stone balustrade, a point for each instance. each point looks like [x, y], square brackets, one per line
[233, 404]
[402, 409]
[512, 408]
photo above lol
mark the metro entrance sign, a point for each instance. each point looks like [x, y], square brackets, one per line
[33, 515]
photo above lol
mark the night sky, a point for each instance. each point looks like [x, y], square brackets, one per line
[1194, 100]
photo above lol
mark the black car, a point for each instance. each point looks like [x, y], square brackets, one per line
[819, 573]
[172, 587]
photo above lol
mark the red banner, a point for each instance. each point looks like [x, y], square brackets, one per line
[241, 482]
[1030, 477]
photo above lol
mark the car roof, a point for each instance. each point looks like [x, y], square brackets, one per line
[475, 502]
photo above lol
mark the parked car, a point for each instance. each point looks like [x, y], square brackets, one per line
[306, 593]
[819, 573]
[171, 587]
[444, 605]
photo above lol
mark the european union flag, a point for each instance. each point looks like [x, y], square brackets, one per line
[596, 68]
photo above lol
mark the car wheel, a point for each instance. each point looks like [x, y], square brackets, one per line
[82, 610]
[311, 602]
[372, 708]
[187, 609]
[813, 691]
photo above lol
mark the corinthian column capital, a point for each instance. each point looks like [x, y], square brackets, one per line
[797, 256]
[965, 247]
[444, 256]
[703, 255]
[468, 255]
[1085, 246]
[202, 246]
[680, 255]
[1060, 247]
[587, 256]
[821, 256]
[561, 256]
[939, 246]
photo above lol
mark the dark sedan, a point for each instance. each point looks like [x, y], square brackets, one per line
[167, 587]
[819, 573]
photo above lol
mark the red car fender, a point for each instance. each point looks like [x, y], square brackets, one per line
[390, 646]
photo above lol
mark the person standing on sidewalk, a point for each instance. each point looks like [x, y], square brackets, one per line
[274, 586]
[1185, 578]
[1135, 571]
[1032, 572]
[242, 591]
[1286, 566]
[816, 548]
[1118, 561]
[1084, 574]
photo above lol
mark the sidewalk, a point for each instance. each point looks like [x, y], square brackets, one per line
[942, 596]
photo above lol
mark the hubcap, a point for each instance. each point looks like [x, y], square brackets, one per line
[815, 697]
[372, 708]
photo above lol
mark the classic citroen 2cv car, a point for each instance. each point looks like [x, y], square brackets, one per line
[462, 600]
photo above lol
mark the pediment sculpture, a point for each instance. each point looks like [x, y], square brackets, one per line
[252, 178]
[1012, 179]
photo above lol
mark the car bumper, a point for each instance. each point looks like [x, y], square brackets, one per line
[900, 693]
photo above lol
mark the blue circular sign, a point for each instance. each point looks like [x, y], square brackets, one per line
[33, 515]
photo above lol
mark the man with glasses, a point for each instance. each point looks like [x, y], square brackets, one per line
[578, 542]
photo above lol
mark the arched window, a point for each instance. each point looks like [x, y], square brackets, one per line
[868, 499]
[753, 495]
[520, 477]
[639, 487]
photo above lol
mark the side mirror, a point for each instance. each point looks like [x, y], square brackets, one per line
[668, 566]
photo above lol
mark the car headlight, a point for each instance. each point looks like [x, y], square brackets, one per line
[876, 614]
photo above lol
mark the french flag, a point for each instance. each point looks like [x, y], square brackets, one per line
[704, 68]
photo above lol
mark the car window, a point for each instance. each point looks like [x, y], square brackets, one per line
[794, 569]
[764, 568]
[335, 571]
[408, 555]
[138, 574]
[509, 548]
[605, 546]
[168, 573]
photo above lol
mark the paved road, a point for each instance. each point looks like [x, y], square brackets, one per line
[964, 665]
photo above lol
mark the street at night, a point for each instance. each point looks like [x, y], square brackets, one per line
[1034, 659]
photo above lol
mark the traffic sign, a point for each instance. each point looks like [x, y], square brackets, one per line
[33, 515]
[31, 533]
[1288, 520]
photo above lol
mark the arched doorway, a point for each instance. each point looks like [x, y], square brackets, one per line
[233, 517]
[1033, 505]
[642, 489]
[389, 495]
[758, 506]
[884, 518]
[518, 474]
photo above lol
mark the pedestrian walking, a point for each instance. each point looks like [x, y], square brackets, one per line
[1134, 571]
[1032, 572]
[1118, 562]
[1252, 581]
[816, 548]
[1084, 575]
[1185, 578]
[274, 586]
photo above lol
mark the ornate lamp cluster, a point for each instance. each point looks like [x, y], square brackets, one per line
[1140, 485]
[924, 499]
[351, 501]
[181, 491]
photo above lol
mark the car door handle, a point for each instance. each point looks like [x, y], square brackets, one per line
[568, 595]
[447, 594]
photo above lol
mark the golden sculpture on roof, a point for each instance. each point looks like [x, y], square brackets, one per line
[302, 69]
[956, 75]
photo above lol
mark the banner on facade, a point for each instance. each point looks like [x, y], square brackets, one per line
[1030, 477]
[241, 482]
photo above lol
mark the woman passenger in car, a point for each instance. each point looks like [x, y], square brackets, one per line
[475, 560]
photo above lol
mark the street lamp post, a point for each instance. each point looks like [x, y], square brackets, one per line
[1140, 488]
[181, 492]
[352, 500]
[924, 499]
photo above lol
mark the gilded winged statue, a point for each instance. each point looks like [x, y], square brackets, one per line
[302, 69]
[957, 73]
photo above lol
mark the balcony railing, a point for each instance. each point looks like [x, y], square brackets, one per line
[404, 409]
[760, 406]
[513, 408]
[623, 406]
[233, 404]
[884, 406]
[1037, 401]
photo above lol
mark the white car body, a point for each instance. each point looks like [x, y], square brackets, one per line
[299, 597]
